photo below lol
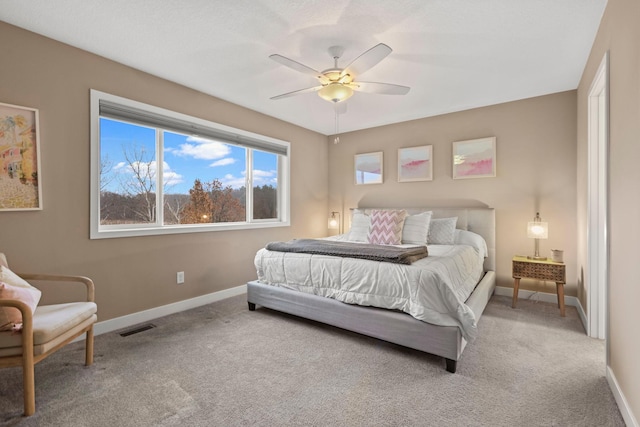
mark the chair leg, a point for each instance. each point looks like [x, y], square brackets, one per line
[28, 380]
[89, 347]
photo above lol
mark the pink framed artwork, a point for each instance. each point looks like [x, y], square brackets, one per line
[368, 168]
[475, 158]
[415, 164]
[20, 188]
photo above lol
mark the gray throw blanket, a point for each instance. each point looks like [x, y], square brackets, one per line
[351, 250]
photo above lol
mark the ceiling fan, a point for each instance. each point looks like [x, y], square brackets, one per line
[338, 84]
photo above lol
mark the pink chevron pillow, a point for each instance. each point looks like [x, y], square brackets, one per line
[386, 227]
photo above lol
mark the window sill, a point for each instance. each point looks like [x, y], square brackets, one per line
[110, 233]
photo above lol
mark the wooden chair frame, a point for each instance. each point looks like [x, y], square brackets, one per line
[27, 359]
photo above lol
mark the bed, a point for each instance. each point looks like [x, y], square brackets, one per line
[444, 336]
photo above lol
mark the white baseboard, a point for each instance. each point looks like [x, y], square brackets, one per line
[582, 314]
[164, 310]
[628, 417]
[537, 296]
[545, 297]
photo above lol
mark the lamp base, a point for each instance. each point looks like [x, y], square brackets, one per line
[537, 258]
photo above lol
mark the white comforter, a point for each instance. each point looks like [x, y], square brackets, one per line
[432, 289]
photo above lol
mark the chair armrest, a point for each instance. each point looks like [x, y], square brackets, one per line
[27, 320]
[91, 292]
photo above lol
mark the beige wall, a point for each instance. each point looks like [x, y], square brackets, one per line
[536, 167]
[132, 274]
[619, 34]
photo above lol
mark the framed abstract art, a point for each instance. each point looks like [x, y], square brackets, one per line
[475, 158]
[368, 168]
[19, 158]
[415, 164]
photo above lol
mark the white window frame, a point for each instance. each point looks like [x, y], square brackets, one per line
[98, 231]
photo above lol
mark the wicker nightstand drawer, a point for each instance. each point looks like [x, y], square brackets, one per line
[553, 272]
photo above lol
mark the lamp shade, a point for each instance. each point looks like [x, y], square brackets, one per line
[334, 221]
[538, 230]
[335, 92]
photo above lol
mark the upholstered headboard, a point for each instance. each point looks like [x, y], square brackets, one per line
[481, 221]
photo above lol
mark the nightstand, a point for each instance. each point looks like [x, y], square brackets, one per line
[524, 267]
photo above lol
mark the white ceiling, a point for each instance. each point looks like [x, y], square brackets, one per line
[454, 54]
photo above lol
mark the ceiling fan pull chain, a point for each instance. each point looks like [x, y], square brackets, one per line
[337, 138]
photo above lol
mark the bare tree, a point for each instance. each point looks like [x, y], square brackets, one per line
[142, 182]
[174, 207]
[106, 178]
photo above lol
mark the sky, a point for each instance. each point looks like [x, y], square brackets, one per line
[185, 159]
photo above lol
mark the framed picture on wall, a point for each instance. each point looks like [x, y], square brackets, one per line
[475, 158]
[368, 168]
[20, 188]
[415, 164]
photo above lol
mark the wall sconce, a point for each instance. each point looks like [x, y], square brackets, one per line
[537, 230]
[334, 221]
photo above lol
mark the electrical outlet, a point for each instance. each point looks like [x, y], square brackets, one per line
[180, 277]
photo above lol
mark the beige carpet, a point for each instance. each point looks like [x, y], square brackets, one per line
[221, 365]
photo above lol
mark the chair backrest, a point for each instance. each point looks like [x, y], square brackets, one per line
[3, 260]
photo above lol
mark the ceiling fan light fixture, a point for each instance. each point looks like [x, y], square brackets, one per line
[335, 92]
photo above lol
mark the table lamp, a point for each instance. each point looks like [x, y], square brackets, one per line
[537, 230]
[334, 221]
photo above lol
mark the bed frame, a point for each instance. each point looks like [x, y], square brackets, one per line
[389, 325]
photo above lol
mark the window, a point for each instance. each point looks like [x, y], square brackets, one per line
[155, 171]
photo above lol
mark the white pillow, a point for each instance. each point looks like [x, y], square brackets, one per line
[463, 237]
[416, 228]
[359, 227]
[442, 231]
[13, 279]
[21, 290]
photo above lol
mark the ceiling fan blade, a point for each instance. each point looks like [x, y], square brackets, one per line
[380, 88]
[297, 92]
[298, 67]
[367, 60]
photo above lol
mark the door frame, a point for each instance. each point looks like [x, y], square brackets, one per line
[597, 282]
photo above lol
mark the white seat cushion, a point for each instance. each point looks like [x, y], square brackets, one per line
[51, 322]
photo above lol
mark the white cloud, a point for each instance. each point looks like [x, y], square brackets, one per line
[202, 149]
[170, 177]
[257, 173]
[234, 182]
[223, 162]
[260, 178]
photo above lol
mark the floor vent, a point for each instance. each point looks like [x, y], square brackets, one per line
[137, 329]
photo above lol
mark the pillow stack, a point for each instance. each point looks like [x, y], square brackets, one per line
[395, 227]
